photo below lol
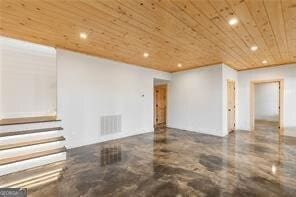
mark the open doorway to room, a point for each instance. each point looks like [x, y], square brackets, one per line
[160, 103]
[266, 105]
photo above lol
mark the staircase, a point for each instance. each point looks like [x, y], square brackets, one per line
[32, 151]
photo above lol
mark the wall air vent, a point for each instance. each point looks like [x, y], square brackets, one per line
[110, 124]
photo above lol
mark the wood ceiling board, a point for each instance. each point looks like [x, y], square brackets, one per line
[191, 32]
[257, 10]
[225, 10]
[289, 14]
[274, 11]
[200, 14]
[198, 27]
[242, 12]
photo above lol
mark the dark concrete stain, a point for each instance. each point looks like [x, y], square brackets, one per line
[205, 185]
[211, 162]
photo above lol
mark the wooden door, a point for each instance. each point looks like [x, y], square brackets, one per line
[231, 105]
[160, 104]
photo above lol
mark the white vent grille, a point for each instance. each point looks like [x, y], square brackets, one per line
[110, 124]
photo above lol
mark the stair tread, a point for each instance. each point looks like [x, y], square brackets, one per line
[12, 133]
[30, 143]
[28, 120]
[16, 176]
[32, 156]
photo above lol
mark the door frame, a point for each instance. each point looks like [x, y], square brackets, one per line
[231, 81]
[154, 103]
[281, 102]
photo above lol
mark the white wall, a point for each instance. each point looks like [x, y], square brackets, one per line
[28, 79]
[286, 72]
[195, 100]
[90, 87]
[228, 74]
[267, 101]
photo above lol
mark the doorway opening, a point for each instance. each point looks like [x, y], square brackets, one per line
[267, 105]
[231, 105]
[160, 103]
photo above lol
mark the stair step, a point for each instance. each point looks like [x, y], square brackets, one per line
[6, 134]
[36, 182]
[29, 174]
[31, 156]
[30, 143]
[35, 178]
[41, 182]
[28, 120]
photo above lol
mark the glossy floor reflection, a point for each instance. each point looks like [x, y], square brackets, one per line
[173, 162]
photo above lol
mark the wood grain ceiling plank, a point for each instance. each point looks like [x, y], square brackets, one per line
[184, 59]
[196, 28]
[229, 35]
[167, 35]
[71, 24]
[289, 13]
[77, 36]
[219, 21]
[148, 25]
[227, 13]
[177, 48]
[206, 23]
[274, 11]
[70, 45]
[173, 39]
[257, 10]
[170, 26]
[31, 30]
[166, 49]
[225, 30]
[192, 32]
[242, 12]
[151, 10]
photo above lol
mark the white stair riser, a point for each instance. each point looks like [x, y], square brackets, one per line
[21, 127]
[30, 149]
[29, 137]
[23, 165]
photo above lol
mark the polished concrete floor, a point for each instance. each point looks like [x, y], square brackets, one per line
[173, 162]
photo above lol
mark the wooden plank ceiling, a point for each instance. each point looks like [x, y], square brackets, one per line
[193, 33]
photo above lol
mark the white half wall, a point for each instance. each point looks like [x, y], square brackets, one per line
[91, 87]
[28, 79]
[195, 100]
[267, 101]
[288, 74]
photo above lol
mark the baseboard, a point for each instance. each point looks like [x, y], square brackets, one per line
[213, 133]
[290, 131]
[116, 136]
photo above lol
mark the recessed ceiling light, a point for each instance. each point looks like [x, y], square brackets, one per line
[264, 62]
[233, 21]
[146, 55]
[83, 35]
[254, 48]
[179, 65]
